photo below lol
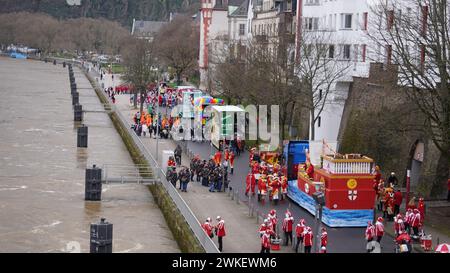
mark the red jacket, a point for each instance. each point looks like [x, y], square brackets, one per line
[415, 220]
[379, 229]
[370, 232]
[207, 227]
[324, 239]
[287, 224]
[398, 198]
[308, 239]
[265, 240]
[221, 228]
[299, 230]
[231, 157]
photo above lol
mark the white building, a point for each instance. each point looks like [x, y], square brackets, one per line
[346, 23]
[220, 20]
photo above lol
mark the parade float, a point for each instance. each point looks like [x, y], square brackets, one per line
[346, 182]
[224, 123]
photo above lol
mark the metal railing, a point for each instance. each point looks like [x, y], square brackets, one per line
[184, 209]
[119, 173]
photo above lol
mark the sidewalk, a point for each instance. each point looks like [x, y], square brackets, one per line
[241, 230]
[435, 224]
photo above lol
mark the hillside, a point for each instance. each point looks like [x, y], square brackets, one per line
[122, 11]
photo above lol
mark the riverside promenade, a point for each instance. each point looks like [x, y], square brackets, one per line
[241, 229]
[343, 240]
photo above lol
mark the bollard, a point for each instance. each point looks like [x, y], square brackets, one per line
[237, 197]
[75, 98]
[78, 112]
[101, 237]
[257, 216]
[82, 137]
[93, 184]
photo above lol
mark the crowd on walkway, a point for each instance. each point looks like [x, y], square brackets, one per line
[269, 179]
[407, 226]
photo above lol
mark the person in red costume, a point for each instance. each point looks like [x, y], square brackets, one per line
[309, 169]
[377, 173]
[308, 239]
[421, 208]
[262, 189]
[299, 229]
[231, 159]
[218, 158]
[324, 238]
[265, 242]
[255, 167]
[250, 183]
[284, 187]
[276, 185]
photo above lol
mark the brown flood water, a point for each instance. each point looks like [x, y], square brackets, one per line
[42, 207]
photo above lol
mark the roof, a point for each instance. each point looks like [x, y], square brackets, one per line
[147, 27]
[221, 4]
[228, 108]
[241, 10]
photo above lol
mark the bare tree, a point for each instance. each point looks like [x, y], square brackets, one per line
[139, 63]
[319, 65]
[415, 35]
[177, 45]
[260, 74]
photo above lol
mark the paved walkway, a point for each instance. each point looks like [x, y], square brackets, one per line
[242, 230]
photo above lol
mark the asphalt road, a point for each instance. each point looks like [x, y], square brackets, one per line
[340, 240]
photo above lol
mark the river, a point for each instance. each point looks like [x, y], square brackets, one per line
[42, 207]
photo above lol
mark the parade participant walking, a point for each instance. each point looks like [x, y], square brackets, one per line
[208, 228]
[323, 240]
[416, 223]
[262, 189]
[421, 208]
[399, 225]
[299, 230]
[231, 159]
[379, 229]
[308, 239]
[265, 242]
[220, 231]
[408, 220]
[398, 198]
[177, 152]
[370, 232]
[218, 157]
[250, 179]
[264, 226]
[273, 218]
[288, 221]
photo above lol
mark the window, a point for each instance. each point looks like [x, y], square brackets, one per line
[364, 25]
[320, 94]
[347, 21]
[355, 52]
[312, 23]
[363, 53]
[346, 52]
[319, 121]
[331, 52]
[241, 29]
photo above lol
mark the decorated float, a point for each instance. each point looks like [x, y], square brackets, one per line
[346, 181]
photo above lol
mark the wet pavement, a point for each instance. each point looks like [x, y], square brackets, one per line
[42, 207]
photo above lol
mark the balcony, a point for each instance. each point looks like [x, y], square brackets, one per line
[347, 164]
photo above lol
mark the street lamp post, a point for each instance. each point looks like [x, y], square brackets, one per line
[319, 197]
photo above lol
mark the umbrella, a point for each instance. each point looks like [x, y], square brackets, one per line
[443, 248]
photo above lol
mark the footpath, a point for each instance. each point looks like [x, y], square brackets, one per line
[241, 229]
